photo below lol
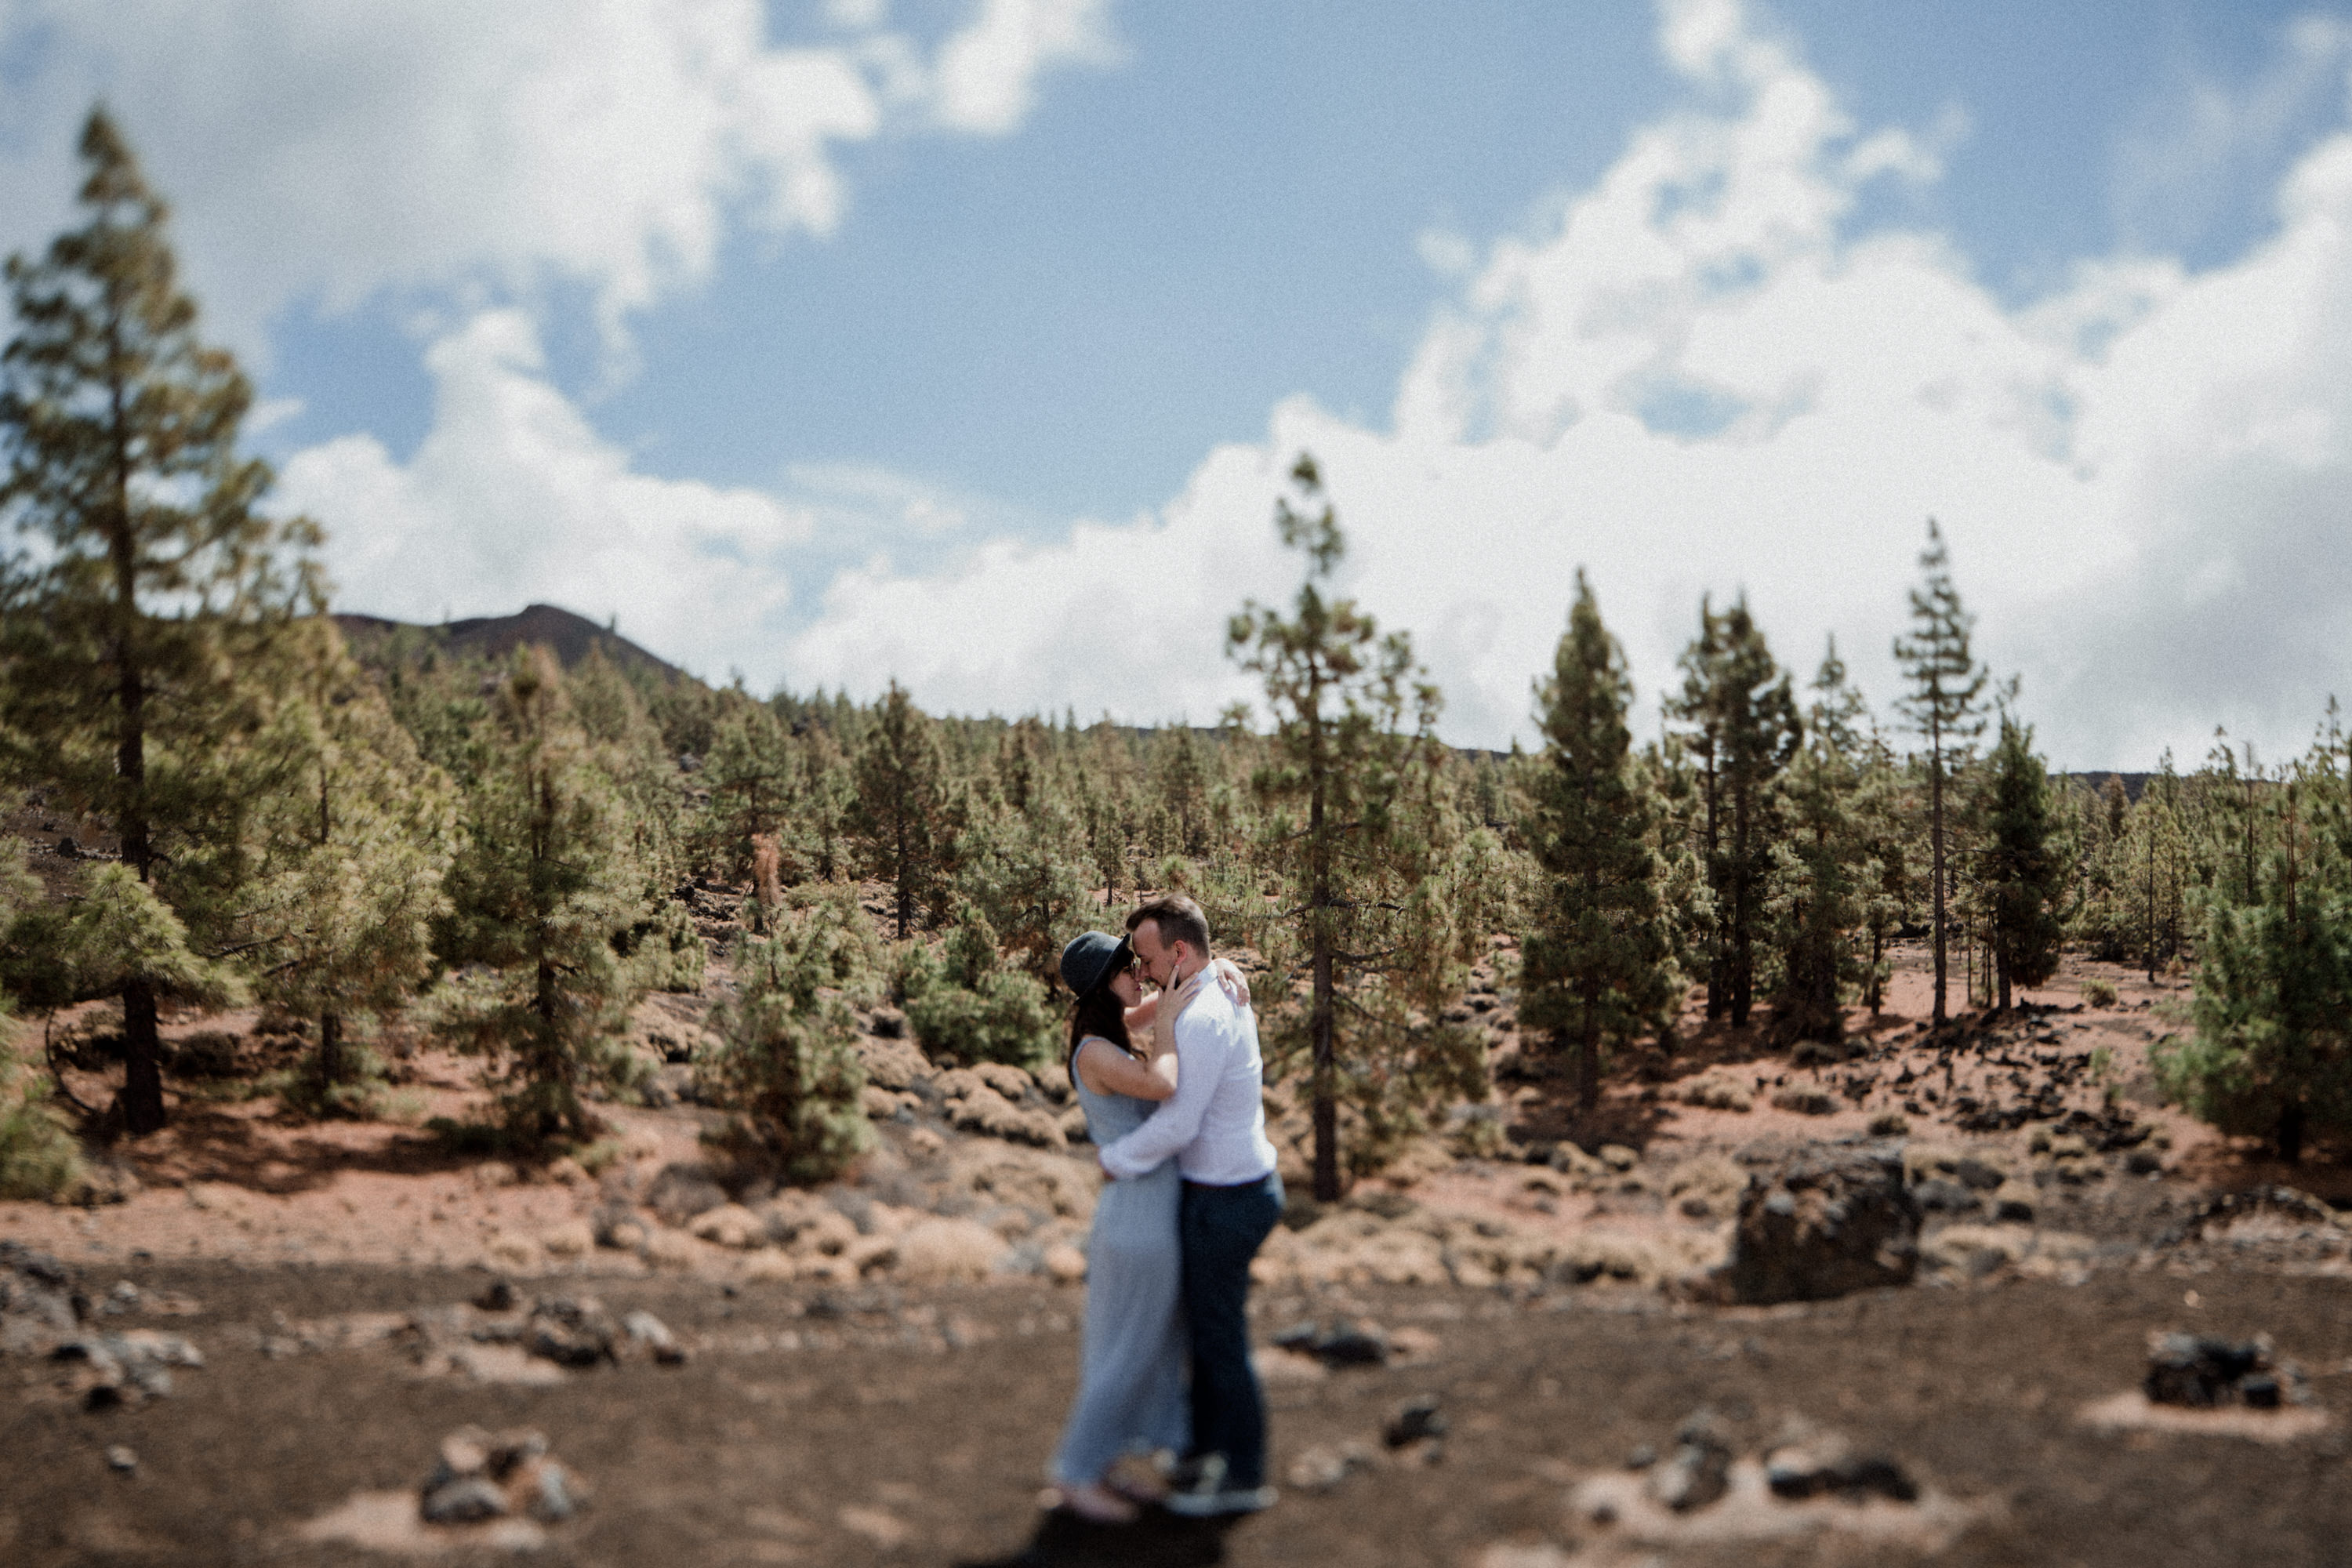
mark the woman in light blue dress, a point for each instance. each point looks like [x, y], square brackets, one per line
[1132, 1376]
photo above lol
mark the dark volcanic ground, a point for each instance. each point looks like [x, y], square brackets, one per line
[912, 1428]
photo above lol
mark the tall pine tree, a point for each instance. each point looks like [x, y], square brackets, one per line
[156, 578]
[1943, 705]
[1742, 731]
[899, 817]
[2020, 867]
[1596, 968]
[1351, 836]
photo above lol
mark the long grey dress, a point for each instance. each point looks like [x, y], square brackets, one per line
[1131, 1379]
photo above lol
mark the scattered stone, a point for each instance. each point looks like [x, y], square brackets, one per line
[1936, 1195]
[1619, 1158]
[497, 1296]
[730, 1225]
[1824, 1466]
[889, 1023]
[2014, 1202]
[570, 1331]
[1341, 1342]
[108, 1370]
[1699, 1471]
[123, 1298]
[1064, 1263]
[1414, 1421]
[648, 1333]
[480, 1477]
[38, 1302]
[2202, 1370]
[463, 1499]
[617, 1225]
[1827, 1222]
[121, 1459]
[572, 1238]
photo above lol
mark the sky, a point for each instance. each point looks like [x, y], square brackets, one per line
[968, 343]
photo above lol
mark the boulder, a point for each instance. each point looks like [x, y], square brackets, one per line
[38, 1303]
[680, 1192]
[575, 1331]
[1698, 1469]
[2204, 1371]
[1824, 1223]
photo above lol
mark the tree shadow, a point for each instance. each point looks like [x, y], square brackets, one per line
[1158, 1539]
[207, 1142]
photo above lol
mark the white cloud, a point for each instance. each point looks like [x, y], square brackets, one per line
[1694, 382]
[988, 72]
[514, 498]
[326, 152]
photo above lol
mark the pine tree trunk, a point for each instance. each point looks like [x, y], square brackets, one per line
[1936, 832]
[143, 1083]
[1743, 958]
[2290, 1132]
[142, 1078]
[1319, 902]
[331, 1049]
[905, 889]
[1588, 1059]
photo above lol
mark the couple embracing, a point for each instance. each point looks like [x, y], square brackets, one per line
[1180, 1127]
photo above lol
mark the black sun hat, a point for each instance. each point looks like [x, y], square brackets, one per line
[1092, 958]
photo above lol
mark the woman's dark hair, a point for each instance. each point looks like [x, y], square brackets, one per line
[1101, 1012]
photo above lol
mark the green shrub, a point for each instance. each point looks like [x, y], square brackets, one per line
[664, 952]
[823, 941]
[963, 1002]
[789, 1068]
[2098, 993]
[39, 1156]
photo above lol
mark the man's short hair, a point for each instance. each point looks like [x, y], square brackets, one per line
[1178, 918]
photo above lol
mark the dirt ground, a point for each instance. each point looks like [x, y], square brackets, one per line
[827, 1414]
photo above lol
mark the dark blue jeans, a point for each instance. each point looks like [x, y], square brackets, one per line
[1221, 1228]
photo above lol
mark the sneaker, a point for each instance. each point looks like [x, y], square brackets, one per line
[1208, 1497]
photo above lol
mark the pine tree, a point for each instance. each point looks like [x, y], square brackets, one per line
[751, 773]
[540, 892]
[1596, 966]
[156, 577]
[2271, 1055]
[1946, 684]
[2020, 867]
[1026, 871]
[1352, 834]
[1743, 729]
[790, 1064]
[354, 843]
[900, 816]
[1822, 867]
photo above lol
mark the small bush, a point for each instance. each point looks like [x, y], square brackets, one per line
[821, 941]
[788, 1068]
[664, 952]
[39, 1156]
[962, 1003]
[2098, 993]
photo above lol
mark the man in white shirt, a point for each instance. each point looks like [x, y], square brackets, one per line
[1214, 1125]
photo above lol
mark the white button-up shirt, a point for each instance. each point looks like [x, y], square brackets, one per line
[1215, 1123]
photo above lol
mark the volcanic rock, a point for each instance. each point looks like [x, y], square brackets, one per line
[1825, 1223]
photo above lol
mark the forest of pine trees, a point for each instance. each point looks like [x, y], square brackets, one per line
[501, 854]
